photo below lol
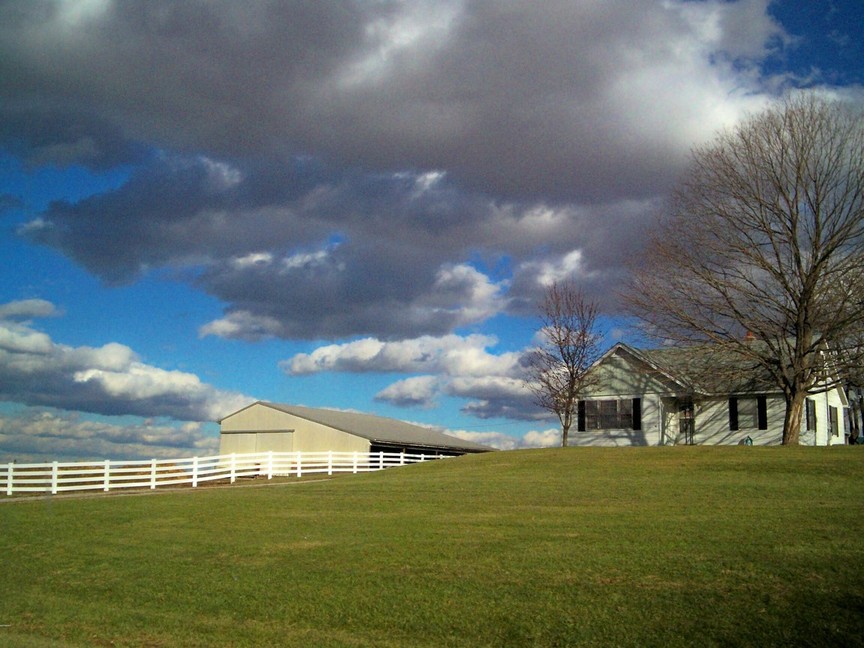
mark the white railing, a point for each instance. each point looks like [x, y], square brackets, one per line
[63, 477]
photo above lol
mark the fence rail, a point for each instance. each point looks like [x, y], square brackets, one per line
[63, 477]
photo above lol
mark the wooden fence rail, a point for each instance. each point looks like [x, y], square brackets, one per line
[62, 477]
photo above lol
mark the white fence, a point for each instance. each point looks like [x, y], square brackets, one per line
[62, 477]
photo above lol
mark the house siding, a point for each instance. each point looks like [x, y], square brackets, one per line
[712, 423]
[822, 436]
[621, 374]
[618, 376]
[649, 434]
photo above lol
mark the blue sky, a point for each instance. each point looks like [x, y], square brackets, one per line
[349, 205]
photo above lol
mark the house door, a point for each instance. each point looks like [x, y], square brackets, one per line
[686, 421]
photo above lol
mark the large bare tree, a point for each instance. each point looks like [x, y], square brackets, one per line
[569, 346]
[762, 249]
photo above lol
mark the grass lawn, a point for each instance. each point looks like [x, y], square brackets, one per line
[684, 546]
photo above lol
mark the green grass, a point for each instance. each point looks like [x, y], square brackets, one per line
[596, 547]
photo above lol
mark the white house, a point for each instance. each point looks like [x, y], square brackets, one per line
[665, 397]
[262, 426]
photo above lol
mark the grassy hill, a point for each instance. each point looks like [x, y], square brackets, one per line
[685, 546]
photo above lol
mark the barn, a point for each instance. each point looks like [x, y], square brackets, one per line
[264, 426]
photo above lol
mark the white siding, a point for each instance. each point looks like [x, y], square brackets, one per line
[822, 435]
[650, 434]
[623, 376]
[712, 423]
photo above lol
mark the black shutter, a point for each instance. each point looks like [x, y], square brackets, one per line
[762, 412]
[733, 413]
[580, 416]
[810, 414]
[637, 413]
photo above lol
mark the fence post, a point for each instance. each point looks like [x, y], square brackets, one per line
[233, 467]
[106, 481]
[9, 478]
[54, 475]
[299, 465]
[269, 464]
[330, 462]
[422, 457]
[194, 472]
[402, 458]
[153, 473]
[355, 463]
[381, 460]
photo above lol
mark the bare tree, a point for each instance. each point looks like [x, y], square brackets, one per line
[569, 346]
[764, 241]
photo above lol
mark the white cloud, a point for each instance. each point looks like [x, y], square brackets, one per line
[38, 435]
[244, 325]
[542, 438]
[450, 365]
[533, 439]
[418, 391]
[27, 308]
[568, 267]
[20, 339]
[450, 354]
[471, 293]
[487, 387]
[110, 379]
[252, 259]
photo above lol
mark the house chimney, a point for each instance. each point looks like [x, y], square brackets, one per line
[749, 337]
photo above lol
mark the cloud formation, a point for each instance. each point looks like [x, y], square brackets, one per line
[111, 379]
[39, 434]
[534, 439]
[335, 169]
[450, 365]
[510, 98]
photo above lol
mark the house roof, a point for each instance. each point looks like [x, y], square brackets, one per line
[378, 429]
[704, 369]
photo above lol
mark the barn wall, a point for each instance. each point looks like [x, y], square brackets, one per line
[259, 428]
[315, 437]
[237, 443]
[257, 417]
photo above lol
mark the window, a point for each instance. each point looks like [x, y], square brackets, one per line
[833, 423]
[810, 414]
[748, 413]
[622, 414]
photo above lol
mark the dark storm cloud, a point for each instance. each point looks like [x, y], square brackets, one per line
[341, 168]
[62, 137]
[571, 100]
[297, 250]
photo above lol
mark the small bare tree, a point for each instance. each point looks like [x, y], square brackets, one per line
[569, 345]
[763, 250]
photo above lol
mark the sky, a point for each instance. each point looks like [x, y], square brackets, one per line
[346, 204]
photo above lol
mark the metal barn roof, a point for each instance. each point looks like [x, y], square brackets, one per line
[378, 429]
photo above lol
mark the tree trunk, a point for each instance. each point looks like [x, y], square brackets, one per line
[792, 420]
[565, 431]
